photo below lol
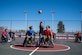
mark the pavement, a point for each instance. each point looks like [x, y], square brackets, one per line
[75, 48]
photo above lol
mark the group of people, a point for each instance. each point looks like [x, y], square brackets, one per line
[46, 37]
[7, 36]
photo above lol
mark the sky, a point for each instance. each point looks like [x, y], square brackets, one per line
[66, 10]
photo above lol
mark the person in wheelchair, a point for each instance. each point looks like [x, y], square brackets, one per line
[78, 37]
[48, 37]
[30, 37]
[4, 35]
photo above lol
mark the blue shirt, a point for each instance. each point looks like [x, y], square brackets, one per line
[30, 32]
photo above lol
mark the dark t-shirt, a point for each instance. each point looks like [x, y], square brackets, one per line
[11, 34]
[41, 29]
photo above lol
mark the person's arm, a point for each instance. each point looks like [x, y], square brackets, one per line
[75, 34]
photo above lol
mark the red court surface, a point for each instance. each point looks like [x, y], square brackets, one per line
[57, 47]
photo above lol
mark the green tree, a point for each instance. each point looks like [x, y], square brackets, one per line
[61, 28]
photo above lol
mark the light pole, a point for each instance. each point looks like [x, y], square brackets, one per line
[11, 25]
[52, 18]
[81, 20]
[25, 12]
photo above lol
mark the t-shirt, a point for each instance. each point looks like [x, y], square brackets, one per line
[11, 34]
[30, 32]
[78, 34]
[41, 29]
[4, 34]
[47, 32]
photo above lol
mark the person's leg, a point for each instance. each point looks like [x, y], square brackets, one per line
[40, 38]
[47, 41]
[32, 39]
[41, 41]
[6, 39]
[29, 40]
[14, 38]
[76, 38]
[25, 41]
[52, 40]
[80, 38]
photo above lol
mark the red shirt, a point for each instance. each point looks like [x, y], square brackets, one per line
[47, 32]
[4, 33]
[78, 34]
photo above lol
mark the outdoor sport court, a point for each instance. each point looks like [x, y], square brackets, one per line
[61, 47]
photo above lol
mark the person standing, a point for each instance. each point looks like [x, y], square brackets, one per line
[41, 28]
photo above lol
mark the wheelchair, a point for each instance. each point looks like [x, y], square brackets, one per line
[28, 41]
[4, 39]
[47, 41]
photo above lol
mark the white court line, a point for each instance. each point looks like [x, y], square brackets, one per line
[34, 51]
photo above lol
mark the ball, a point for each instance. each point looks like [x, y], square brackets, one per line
[40, 11]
